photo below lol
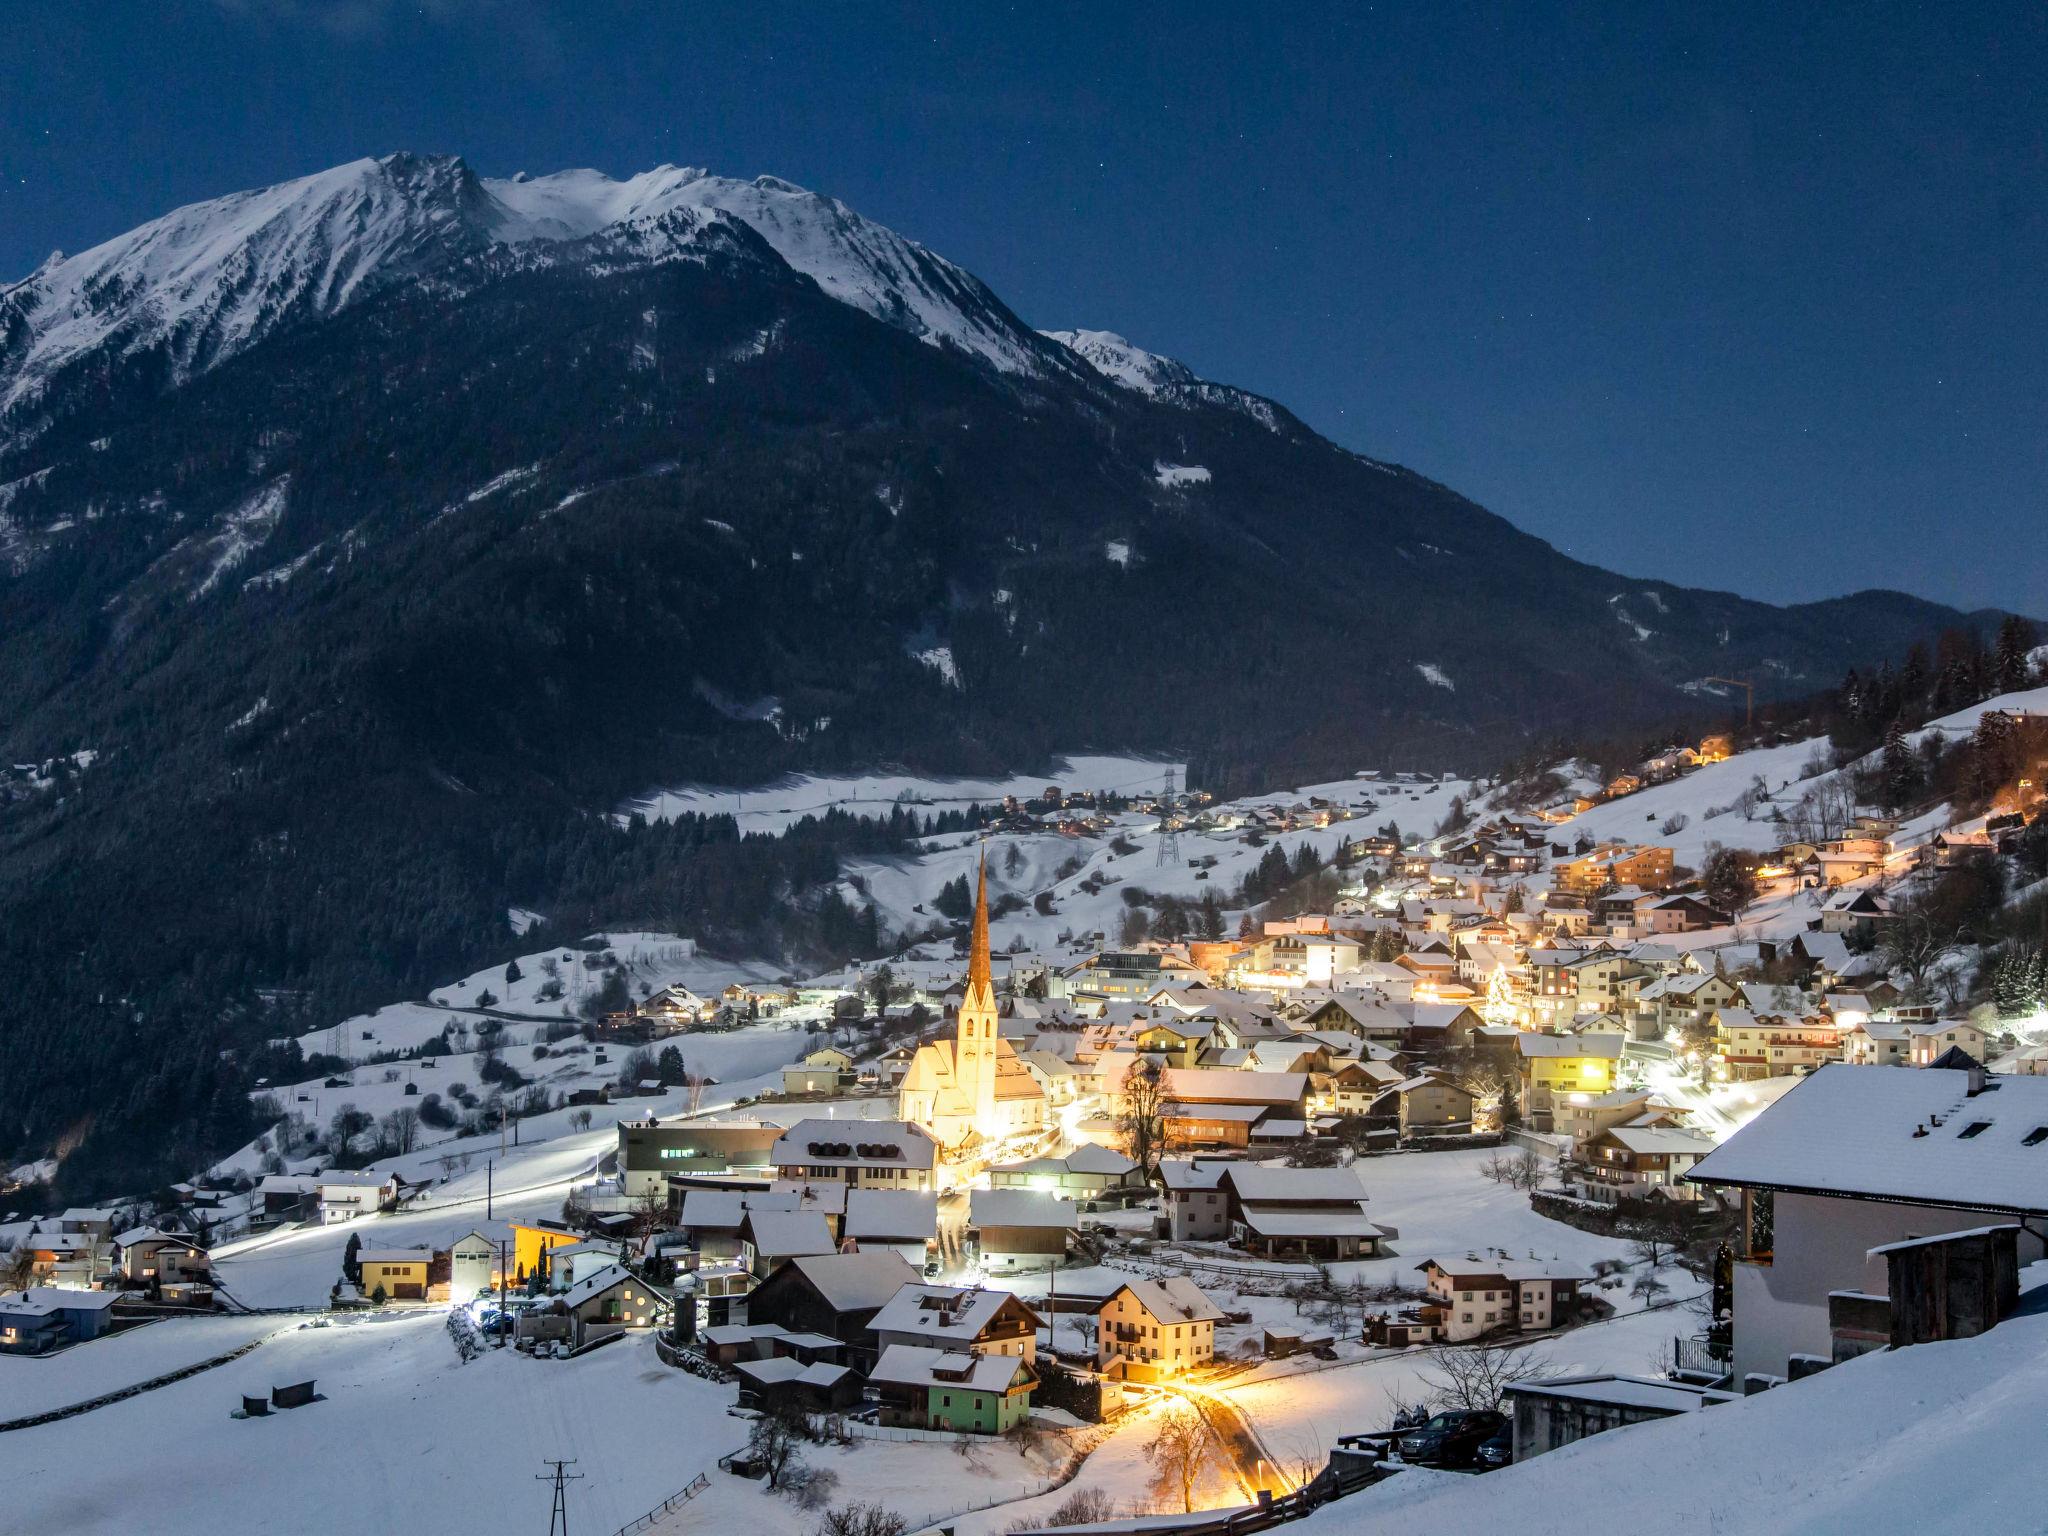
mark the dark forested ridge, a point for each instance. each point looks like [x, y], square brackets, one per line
[345, 710]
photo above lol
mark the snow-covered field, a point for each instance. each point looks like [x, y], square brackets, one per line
[775, 807]
[31, 1384]
[406, 1435]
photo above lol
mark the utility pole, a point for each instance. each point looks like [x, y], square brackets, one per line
[504, 1264]
[490, 1169]
[558, 1519]
[1748, 696]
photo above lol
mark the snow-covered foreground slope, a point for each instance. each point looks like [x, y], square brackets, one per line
[1941, 1437]
[409, 1437]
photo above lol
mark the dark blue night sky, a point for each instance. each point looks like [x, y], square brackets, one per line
[1743, 297]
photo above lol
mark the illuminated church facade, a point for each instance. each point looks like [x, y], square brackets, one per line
[972, 1089]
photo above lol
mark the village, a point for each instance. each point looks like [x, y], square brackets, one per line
[1120, 1194]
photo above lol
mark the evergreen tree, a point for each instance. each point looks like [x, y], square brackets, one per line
[351, 1265]
[1900, 769]
[511, 972]
[669, 1069]
[2015, 642]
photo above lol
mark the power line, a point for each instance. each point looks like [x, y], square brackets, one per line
[1169, 829]
[558, 1518]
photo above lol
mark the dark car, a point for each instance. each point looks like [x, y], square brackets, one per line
[1499, 1449]
[1451, 1439]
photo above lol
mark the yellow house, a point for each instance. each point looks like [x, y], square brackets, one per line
[530, 1242]
[1555, 1066]
[400, 1273]
[1181, 1046]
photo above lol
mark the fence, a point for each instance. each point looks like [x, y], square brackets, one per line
[675, 1500]
[1216, 1269]
[73, 1409]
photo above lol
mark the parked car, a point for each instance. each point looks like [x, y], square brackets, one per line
[1451, 1439]
[1499, 1449]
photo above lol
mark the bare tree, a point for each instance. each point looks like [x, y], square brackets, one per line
[1178, 1452]
[1915, 941]
[1476, 1379]
[1088, 1506]
[858, 1519]
[401, 1128]
[17, 1267]
[775, 1445]
[1141, 1116]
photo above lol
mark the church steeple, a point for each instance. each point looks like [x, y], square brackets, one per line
[978, 979]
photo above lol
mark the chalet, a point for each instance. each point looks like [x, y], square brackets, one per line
[1877, 1043]
[1929, 1041]
[1313, 1214]
[608, 1301]
[400, 1273]
[1753, 1045]
[1849, 911]
[147, 1256]
[1475, 1296]
[1556, 1066]
[836, 1295]
[1676, 914]
[1584, 1116]
[1849, 1161]
[1155, 1329]
[823, 1072]
[1020, 1229]
[345, 1196]
[45, 1318]
[885, 1154]
[923, 1388]
[1429, 1105]
[1634, 1162]
[1358, 1087]
[957, 1318]
[1195, 1208]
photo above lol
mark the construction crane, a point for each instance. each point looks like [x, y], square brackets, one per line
[1748, 696]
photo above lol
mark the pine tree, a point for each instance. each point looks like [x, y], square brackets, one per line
[2015, 642]
[351, 1265]
[2016, 983]
[511, 972]
[1901, 769]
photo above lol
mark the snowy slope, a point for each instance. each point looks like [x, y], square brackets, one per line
[209, 280]
[1159, 378]
[855, 260]
[1940, 1437]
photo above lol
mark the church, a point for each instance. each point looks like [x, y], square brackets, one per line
[972, 1090]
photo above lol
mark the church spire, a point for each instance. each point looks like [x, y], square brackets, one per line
[978, 981]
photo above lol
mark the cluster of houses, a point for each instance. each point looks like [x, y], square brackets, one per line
[84, 1273]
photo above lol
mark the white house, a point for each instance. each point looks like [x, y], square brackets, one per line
[1849, 1161]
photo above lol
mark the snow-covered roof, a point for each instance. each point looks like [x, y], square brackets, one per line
[893, 1143]
[1661, 1141]
[945, 1314]
[850, 1282]
[914, 1365]
[1174, 1298]
[401, 1256]
[1181, 1173]
[890, 1213]
[1293, 1186]
[781, 1368]
[785, 1234]
[42, 1300]
[1190, 1086]
[1916, 1136]
[1020, 1208]
[594, 1285]
[1601, 1043]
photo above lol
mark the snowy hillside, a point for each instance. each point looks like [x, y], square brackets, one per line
[774, 808]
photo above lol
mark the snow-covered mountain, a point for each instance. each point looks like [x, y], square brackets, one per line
[1159, 378]
[190, 290]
